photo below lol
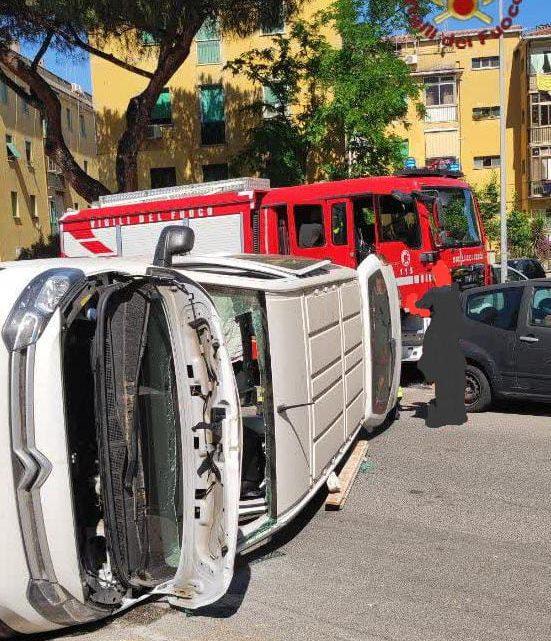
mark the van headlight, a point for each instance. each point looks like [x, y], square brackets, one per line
[36, 305]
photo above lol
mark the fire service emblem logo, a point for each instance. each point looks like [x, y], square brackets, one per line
[463, 10]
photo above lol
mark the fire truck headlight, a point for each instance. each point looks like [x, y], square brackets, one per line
[36, 305]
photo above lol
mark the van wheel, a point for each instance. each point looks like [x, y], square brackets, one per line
[478, 394]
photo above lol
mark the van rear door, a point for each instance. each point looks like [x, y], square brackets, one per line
[170, 438]
[382, 338]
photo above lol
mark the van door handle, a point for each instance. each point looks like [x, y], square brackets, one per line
[529, 339]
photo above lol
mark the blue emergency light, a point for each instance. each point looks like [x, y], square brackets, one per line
[410, 163]
[455, 166]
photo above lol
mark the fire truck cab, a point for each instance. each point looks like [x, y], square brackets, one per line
[415, 221]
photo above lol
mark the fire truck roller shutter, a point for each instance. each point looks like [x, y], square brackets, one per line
[218, 234]
[142, 239]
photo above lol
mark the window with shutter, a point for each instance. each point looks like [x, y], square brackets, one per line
[161, 113]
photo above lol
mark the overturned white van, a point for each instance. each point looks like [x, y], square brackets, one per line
[157, 419]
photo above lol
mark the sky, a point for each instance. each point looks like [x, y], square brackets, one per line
[77, 69]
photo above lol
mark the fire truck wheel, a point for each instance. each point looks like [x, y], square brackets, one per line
[478, 394]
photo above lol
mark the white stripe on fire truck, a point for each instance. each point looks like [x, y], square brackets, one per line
[414, 280]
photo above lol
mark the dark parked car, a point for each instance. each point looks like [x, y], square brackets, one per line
[507, 342]
[530, 267]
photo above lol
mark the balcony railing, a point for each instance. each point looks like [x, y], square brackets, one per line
[540, 188]
[540, 135]
[441, 113]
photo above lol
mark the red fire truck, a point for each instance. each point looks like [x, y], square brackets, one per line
[423, 222]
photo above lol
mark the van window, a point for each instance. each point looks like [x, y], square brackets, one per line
[381, 342]
[309, 226]
[338, 224]
[398, 222]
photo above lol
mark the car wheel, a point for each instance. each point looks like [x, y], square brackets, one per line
[478, 394]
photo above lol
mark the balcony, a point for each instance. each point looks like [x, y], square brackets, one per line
[534, 81]
[540, 135]
[441, 113]
[540, 189]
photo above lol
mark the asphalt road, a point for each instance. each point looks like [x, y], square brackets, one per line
[446, 536]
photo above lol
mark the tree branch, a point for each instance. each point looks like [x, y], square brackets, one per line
[43, 48]
[45, 99]
[74, 39]
[18, 89]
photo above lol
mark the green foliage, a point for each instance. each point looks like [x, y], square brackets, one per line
[334, 103]
[540, 237]
[43, 248]
[526, 237]
[519, 234]
[489, 200]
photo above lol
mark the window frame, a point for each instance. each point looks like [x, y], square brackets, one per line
[69, 119]
[504, 291]
[218, 127]
[379, 224]
[484, 67]
[203, 36]
[343, 234]
[160, 105]
[266, 30]
[531, 307]
[492, 165]
[487, 113]
[298, 206]
[540, 103]
[218, 166]
[29, 151]
[440, 82]
[14, 200]
[160, 169]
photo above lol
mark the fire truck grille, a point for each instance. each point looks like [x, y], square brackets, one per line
[469, 276]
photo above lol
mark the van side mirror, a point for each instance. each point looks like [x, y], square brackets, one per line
[175, 240]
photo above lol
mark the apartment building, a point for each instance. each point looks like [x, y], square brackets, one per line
[535, 100]
[34, 192]
[197, 125]
[460, 95]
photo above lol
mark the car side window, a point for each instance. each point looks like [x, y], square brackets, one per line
[309, 226]
[540, 307]
[498, 308]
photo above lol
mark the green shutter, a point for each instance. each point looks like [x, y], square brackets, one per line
[162, 111]
[405, 149]
[208, 52]
[212, 103]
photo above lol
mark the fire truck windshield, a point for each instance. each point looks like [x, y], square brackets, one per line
[457, 217]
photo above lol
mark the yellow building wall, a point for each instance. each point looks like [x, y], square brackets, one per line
[34, 178]
[475, 88]
[180, 146]
[24, 178]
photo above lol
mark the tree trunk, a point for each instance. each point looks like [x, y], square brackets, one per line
[139, 110]
[44, 98]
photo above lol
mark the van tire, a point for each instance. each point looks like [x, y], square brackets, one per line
[478, 393]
